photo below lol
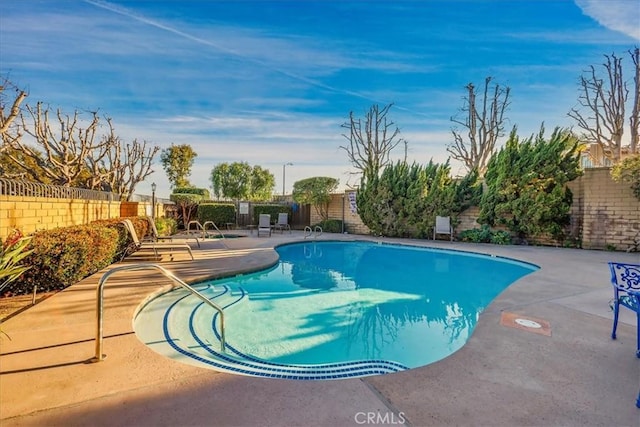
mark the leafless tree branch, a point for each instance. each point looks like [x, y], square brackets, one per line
[370, 141]
[9, 131]
[600, 113]
[484, 124]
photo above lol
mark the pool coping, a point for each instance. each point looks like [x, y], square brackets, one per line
[502, 376]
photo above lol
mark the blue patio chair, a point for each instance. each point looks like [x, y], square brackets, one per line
[625, 279]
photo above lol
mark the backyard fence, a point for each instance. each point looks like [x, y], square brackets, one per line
[11, 187]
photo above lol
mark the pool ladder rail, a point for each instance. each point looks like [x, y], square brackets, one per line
[202, 228]
[315, 232]
[99, 356]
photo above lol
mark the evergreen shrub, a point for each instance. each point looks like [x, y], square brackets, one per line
[219, 213]
[64, 256]
[330, 226]
[166, 226]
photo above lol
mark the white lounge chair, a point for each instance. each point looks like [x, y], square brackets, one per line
[443, 226]
[264, 224]
[283, 222]
[156, 247]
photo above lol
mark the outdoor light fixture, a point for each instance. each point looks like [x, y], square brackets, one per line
[283, 174]
[153, 200]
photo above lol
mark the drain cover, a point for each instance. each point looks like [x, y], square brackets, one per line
[528, 323]
[525, 323]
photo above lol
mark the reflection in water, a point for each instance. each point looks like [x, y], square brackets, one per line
[337, 301]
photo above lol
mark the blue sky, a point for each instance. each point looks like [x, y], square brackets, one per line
[271, 82]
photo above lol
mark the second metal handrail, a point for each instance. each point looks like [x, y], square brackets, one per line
[100, 302]
[312, 233]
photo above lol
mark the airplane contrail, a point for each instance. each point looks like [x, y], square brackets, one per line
[130, 14]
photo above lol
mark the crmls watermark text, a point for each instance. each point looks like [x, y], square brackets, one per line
[379, 418]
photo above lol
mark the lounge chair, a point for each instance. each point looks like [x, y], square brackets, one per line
[264, 224]
[283, 223]
[156, 237]
[443, 226]
[156, 247]
[625, 279]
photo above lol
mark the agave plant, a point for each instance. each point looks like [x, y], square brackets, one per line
[12, 252]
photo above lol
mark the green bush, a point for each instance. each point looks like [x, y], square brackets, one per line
[476, 235]
[404, 200]
[219, 213]
[501, 237]
[628, 171]
[526, 184]
[124, 241]
[486, 235]
[330, 226]
[166, 226]
[64, 256]
[193, 190]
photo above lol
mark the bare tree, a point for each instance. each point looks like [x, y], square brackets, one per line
[371, 140]
[634, 119]
[122, 167]
[135, 166]
[603, 101]
[483, 120]
[9, 131]
[64, 152]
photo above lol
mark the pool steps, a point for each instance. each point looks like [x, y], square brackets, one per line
[201, 347]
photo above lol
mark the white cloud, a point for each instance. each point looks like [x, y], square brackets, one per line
[618, 15]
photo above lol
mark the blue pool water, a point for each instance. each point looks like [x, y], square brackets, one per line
[337, 303]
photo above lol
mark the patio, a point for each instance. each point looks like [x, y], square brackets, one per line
[504, 375]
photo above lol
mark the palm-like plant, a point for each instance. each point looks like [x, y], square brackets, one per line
[12, 252]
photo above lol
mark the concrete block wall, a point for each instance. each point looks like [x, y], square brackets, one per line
[340, 208]
[30, 214]
[605, 214]
[467, 220]
[611, 212]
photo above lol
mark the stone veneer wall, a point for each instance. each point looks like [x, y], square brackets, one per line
[604, 215]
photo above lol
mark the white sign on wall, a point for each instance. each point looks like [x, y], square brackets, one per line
[244, 208]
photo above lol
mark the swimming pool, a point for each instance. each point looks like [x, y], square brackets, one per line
[333, 310]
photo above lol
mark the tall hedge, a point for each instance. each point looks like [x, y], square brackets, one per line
[405, 199]
[219, 213]
[526, 184]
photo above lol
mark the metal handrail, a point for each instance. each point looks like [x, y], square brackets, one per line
[204, 227]
[312, 232]
[100, 302]
[222, 237]
[307, 229]
[198, 227]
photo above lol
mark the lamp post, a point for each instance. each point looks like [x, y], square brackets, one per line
[283, 174]
[153, 200]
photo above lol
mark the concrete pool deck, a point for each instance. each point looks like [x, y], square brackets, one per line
[503, 376]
